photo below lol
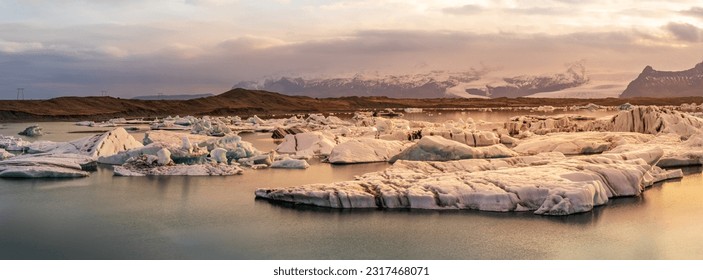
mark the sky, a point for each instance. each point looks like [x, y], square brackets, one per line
[133, 47]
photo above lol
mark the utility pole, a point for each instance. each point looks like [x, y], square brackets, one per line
[20, 93]
[103, 93]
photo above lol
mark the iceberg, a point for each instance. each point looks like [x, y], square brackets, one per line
[148, 165]
[106, 144]
[32, 131]
[578, 143]
[67, 159]
[317, 143]
[677, 152]
[437, 148]
[364, 150]
[640, 119]
[122, 156]
[290, 163]
[47, 166]
[12, 143]
[546, 185]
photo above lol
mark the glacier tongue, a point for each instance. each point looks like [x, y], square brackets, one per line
[547, 184]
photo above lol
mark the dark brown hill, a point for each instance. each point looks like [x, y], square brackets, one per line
[249, 102]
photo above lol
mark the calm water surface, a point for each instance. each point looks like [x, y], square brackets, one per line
[106, 217]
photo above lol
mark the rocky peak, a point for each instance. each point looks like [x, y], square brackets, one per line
[653, 83]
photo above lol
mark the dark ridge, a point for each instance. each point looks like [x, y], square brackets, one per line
[654, 83]
[250, 102]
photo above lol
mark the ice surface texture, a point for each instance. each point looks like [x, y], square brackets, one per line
[548, 184]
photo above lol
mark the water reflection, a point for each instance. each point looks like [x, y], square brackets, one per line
[106, 217]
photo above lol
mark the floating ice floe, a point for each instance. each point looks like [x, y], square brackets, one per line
[473, 138]
[308, 143]
[259, 161]
[364, 150]
[545, 185]
[437, 148]
[173, 138]
[47, 166]
[290, 163]
[67, 159]
[148, 165]
[85, 123]
[12, 143]
[579, 143]
[234, 146]
[677, 152]
[641, 119]
[105, 144]
[32, 131]
[208, 126]
[122, 156]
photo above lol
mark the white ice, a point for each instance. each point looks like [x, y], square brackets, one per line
[578, 143]
[290, 163]
[437, 148]
[363, 150]
[545, 185]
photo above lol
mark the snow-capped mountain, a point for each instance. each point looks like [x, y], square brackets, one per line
[525, 85]
[426, 85]
[435, 84]
[653, 83]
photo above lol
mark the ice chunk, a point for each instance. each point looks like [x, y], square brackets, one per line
[235, 147]
[640, 119]
[5, 154]
[437, 148]
[47, 166]
[165, 156]
[173, 138]
[219, 155]
[40, 171]
[12, 143]
[676, 152]
[85, 123]
[365, 150]
[319, 143]
[578, 143]
[543, 184]
[67, 159]
[287, 162]
[122, 157]
[265, 159]
[149, 166]
[32, 131]
[106, 144]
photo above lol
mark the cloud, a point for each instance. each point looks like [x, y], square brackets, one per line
[463, 10]
[694, 12]
[529, 11]
[76, 68]
[684, 31]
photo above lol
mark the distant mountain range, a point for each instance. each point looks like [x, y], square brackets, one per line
[173, 97]
[525, 85]
[244, 102]
[426, 85]
[435, 84]
[653, 83]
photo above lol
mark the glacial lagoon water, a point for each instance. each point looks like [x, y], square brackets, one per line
[106, 217]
